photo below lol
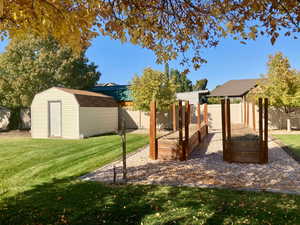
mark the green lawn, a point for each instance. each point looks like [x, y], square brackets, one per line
[25, 163]
[39, 186]
[292, 141]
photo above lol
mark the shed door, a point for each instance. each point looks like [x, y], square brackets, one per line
[55, 119]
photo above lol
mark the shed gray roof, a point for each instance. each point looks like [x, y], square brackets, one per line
[234, 88]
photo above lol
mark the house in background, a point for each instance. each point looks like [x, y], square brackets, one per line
[121, 93]
[194, 97]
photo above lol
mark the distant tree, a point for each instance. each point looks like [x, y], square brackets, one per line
[181, 80]
[200, 85]
[152, 85]
[281, 84]
[33, 65]
[167, 70]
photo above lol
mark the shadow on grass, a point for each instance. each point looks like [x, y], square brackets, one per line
[65, 202]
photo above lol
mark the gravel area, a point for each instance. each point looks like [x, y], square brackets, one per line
[206, 168]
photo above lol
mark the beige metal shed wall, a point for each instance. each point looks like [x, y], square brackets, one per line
[97, 120]
[40, 115]
[215, 119]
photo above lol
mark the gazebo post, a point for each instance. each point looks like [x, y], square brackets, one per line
[153, 154]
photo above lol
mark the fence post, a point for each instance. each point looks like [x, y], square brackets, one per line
[266, 103]
[153, 154]
[174, 117]
[180, 127]
[260, 127]
[199, 122]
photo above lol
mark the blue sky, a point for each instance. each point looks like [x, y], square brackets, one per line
[229, 60]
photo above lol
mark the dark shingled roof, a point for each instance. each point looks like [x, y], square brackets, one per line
[234, 88]
[91, 99]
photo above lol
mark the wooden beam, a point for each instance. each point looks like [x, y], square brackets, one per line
[180, 114]
[174, 117]
[228, 126]
[266, 104]
[199, 122]
[153, 153]
[223, 113]
[260, 128]
[205, 114]
[186, 130]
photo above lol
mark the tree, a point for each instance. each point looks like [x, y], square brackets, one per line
[281, 84]
[181, 80]
[33, 65]
[152, 85]
[200, 85]
[169, 28]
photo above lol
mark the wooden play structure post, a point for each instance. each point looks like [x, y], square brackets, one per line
[205, 115]
[245, 150]
[199, 122]
[265, 149]
[180, 123]
[153, 153]
[186, 131]
[174, 117]
[224, 136]
[177, 145]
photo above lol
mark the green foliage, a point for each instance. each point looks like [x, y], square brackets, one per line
[181, 80]
[281, 84]
[214, 100]
[152, 85]
[168, 28]
[32, 65]
[217, 100]
[200, 85]
[15, 118]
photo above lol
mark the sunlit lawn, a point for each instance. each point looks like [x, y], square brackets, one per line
[292, 141]
[25, 163]
[39, 185]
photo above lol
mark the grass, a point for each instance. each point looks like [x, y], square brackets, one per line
[25, 163]
[292, 141]
[39, 186]
[64, 202]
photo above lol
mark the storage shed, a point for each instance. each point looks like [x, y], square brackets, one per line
[72, 114]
